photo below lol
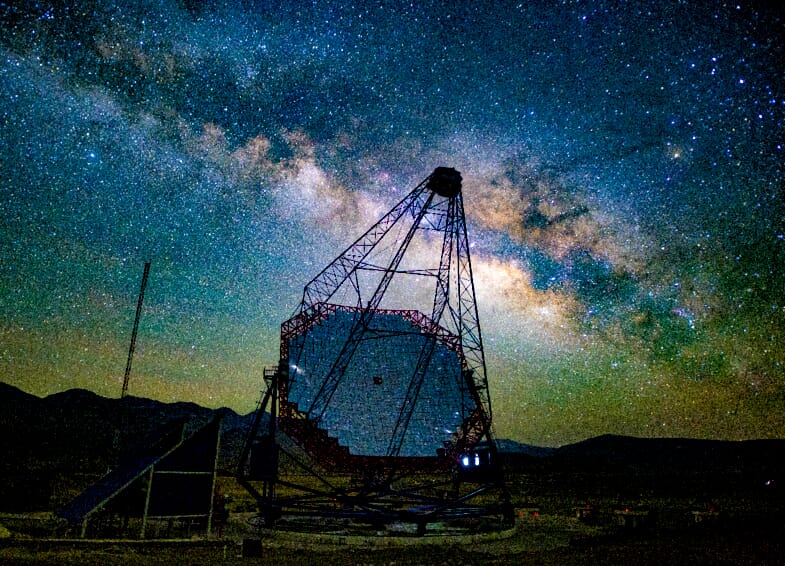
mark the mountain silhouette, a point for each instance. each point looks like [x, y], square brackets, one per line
[55, 445]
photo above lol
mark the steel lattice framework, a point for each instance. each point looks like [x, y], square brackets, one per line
[362, 275]
[382, 383]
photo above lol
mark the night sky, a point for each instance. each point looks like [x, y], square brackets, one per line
[623, 170]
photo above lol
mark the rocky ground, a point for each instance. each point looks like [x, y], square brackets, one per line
[546, 539]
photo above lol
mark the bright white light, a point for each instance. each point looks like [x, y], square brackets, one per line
[465, 461]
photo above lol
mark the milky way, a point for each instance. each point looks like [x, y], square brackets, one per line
[623, 183]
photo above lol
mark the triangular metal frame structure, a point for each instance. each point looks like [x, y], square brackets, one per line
[392, 480]
[174, 482]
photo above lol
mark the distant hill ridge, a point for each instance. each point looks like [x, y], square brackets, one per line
[74, 430]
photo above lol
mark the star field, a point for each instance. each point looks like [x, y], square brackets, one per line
[623, 182]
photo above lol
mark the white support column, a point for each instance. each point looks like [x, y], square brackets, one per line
[215, 479]
[147, 502]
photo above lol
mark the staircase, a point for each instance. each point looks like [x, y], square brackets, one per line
[316, 441]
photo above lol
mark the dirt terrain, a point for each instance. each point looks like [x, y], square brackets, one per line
[555, 527]
[528, 545]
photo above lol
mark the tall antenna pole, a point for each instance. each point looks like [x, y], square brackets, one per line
[136, 329]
